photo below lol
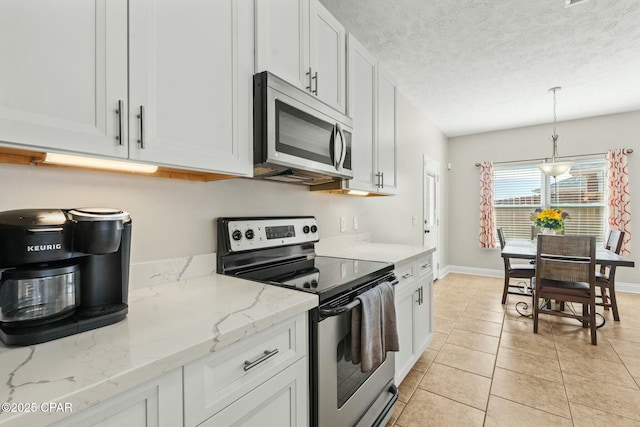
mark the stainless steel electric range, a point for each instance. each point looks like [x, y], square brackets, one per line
[281, 251]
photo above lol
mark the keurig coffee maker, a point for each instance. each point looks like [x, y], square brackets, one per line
[62, 272]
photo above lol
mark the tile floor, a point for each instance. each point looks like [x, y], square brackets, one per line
[486, 367]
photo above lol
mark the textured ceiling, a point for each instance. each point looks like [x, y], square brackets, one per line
[480, 65]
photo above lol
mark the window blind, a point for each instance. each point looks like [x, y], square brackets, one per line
[520, 189]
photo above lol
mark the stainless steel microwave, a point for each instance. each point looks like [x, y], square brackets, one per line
[298, 138]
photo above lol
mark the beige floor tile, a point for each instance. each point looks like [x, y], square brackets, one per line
[425, 360]
[450, 312]
[475, 341]
[606, 397]
[461, 386]
[486, 315]
[409, 384]
[585, 416]
[622, 333]
[489, 305]
[503, 412]
[529, 364]
[397, 410]
[579, 346]
[438, 341]
[541, 394]
[625, 348]
[430, 410]
[479, 326]
[443, 326]
[538, 344]
[466, 359]
[595, 369]
[632, 364]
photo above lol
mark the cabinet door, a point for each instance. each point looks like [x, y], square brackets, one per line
[280, 401]
[157, 403]
[387, 131]
[327, 56]
[361, 70]
[282, 40]
[64, 69]
[405, 299]
[191, 67]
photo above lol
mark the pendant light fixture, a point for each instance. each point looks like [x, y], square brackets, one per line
[554, 168]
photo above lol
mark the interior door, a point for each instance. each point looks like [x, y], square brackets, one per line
[431, 181]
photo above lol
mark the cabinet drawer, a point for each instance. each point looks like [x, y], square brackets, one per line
[214, 381]
[424, 266]
[405, 274]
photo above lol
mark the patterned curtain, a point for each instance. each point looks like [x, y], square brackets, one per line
[619, 196]
[487, 215]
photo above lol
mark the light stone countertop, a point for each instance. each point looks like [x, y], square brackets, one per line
[386, 252]
[168, 325]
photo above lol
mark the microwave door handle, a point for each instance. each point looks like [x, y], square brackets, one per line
[343, 145]
[335, 158]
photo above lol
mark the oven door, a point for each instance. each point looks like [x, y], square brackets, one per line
[345, 395]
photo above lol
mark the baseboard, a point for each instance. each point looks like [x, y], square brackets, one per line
[633, 288]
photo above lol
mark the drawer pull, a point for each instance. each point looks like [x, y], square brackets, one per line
[266, 355]
[426, 265]
[406, 276]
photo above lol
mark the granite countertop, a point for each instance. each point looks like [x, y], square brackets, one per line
[386, 252]
[168, 325]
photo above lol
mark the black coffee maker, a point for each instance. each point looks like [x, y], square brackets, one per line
[62, 271]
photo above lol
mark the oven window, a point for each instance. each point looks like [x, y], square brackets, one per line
[302, 135]
[350, 378]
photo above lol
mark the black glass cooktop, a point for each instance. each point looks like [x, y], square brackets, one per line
[326, 276]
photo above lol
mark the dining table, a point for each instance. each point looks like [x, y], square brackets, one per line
[527, 249]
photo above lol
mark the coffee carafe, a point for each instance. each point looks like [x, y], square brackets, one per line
[62, 271]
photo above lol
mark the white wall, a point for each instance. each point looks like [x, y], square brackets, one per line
[585, 136]
[392, 220]
[174, 218]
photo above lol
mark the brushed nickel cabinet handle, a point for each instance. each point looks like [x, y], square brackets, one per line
[141, 117]
[120, 114]
[315, 77]
[266, 355]
[308, 73]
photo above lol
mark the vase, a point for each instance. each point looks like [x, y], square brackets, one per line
[548, 231]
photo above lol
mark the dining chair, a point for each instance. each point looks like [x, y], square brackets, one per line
[515, 271]
[605, 276]
[565, 272]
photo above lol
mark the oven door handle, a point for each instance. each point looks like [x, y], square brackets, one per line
[336, 311]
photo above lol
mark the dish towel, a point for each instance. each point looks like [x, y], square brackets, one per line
[373, 327]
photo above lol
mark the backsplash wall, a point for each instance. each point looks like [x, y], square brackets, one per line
[175, 218]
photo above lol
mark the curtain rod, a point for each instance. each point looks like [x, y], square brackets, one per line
[629, 151]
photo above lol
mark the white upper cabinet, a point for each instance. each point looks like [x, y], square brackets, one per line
[191, 68]
[301, 42]
[386, 175]
[361, 72]
[372, 105]
[168, 83]
[64, 69]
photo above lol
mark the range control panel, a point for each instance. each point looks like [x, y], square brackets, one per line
[269, 233]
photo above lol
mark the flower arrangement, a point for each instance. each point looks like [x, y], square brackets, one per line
[550, 218]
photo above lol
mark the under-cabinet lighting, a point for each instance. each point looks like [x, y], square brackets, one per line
[92, 162]
[357, 193]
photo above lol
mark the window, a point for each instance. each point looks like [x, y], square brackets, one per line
[520, 189]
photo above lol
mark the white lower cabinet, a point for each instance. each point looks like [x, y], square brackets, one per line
[156, 403]
[260, 380]
[414, 299]
[263, 376]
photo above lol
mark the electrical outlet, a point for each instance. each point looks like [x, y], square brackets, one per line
[355, 223]
[343, 224]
